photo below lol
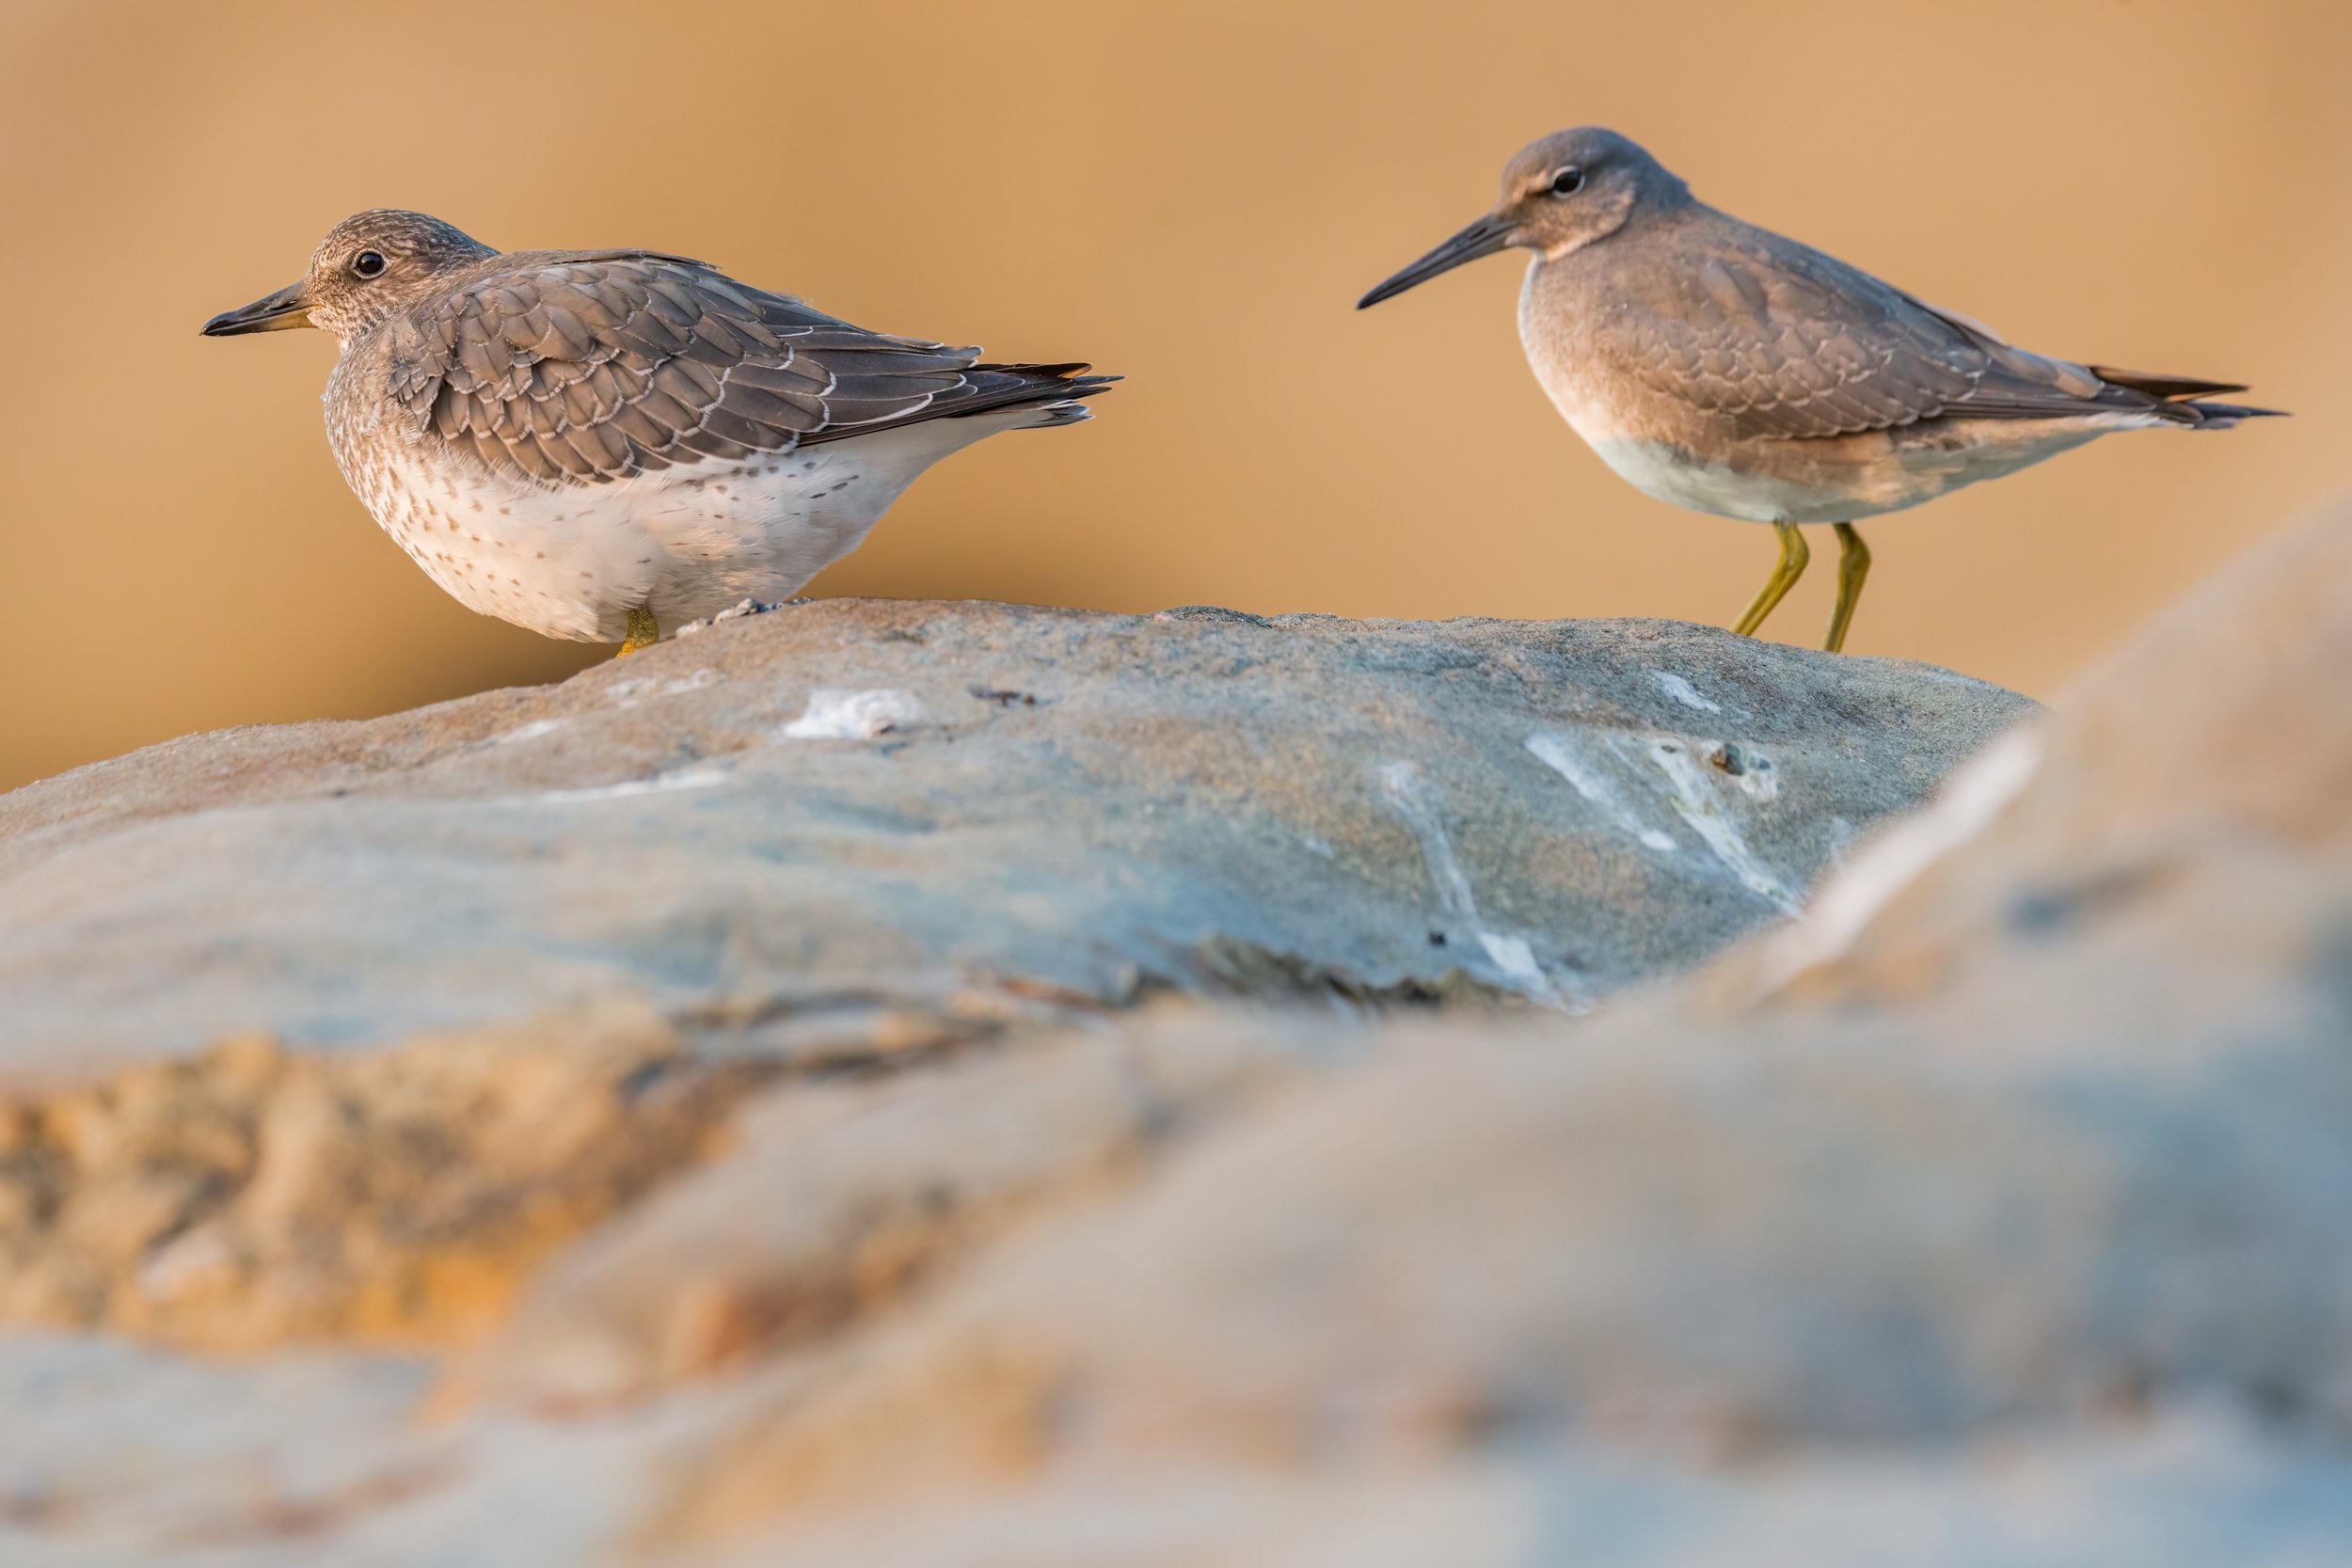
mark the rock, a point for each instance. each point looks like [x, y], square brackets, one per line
[1997, 1213]
[594, 918]
[118, 1456]
[891, 1181]
[2055, 1129]
[115, 1453]
[948, 809]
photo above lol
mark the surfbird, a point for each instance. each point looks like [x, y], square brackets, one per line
[1728, 370]
[602, 444]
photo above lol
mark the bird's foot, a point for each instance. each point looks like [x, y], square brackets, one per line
[643, 632]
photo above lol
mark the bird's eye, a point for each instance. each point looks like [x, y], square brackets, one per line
[367, 263]
[1567, 181]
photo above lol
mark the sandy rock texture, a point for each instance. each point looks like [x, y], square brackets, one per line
[1994, 1212]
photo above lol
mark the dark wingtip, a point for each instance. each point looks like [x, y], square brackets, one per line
[1070, 374]
[2182, 398]
[2166, 386]
[1063, 382]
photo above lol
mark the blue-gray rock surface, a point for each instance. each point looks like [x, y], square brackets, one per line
[896, 804]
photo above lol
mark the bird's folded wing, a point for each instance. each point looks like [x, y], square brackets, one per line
[586, 367]
[1783, 343]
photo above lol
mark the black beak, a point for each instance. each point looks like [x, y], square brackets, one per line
[271, 313]
[1484, 238]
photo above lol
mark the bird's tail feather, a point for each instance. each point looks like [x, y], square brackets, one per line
[2222, 416]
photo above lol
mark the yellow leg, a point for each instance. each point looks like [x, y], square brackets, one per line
[1853, 565]
[643, 632]
[1793, 555]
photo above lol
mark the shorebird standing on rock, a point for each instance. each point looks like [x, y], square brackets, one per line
[598, 444]
[1726, 369]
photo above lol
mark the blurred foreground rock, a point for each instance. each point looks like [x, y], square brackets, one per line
[1996, 1214]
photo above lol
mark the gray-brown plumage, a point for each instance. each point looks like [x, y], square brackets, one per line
[670, 439]
[1779, 342]
[1728, 369]
[657, 358]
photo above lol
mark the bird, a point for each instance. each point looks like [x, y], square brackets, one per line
[1726, 369]
[603, 445]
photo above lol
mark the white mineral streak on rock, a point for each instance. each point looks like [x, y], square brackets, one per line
[1695, 802]
[839, 714]
[1556, 753]
[1683, 692]
[1401, 783]
[1517, 959]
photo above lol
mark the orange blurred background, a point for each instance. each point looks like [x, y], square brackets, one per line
[1190, 195]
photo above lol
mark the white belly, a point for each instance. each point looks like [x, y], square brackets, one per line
[571, 561]
[1670, 474]
[1897, 472]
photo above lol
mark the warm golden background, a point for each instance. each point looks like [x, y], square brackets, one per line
[1190, 194]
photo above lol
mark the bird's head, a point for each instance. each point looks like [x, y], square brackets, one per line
[368, 266]
[1558, 195]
